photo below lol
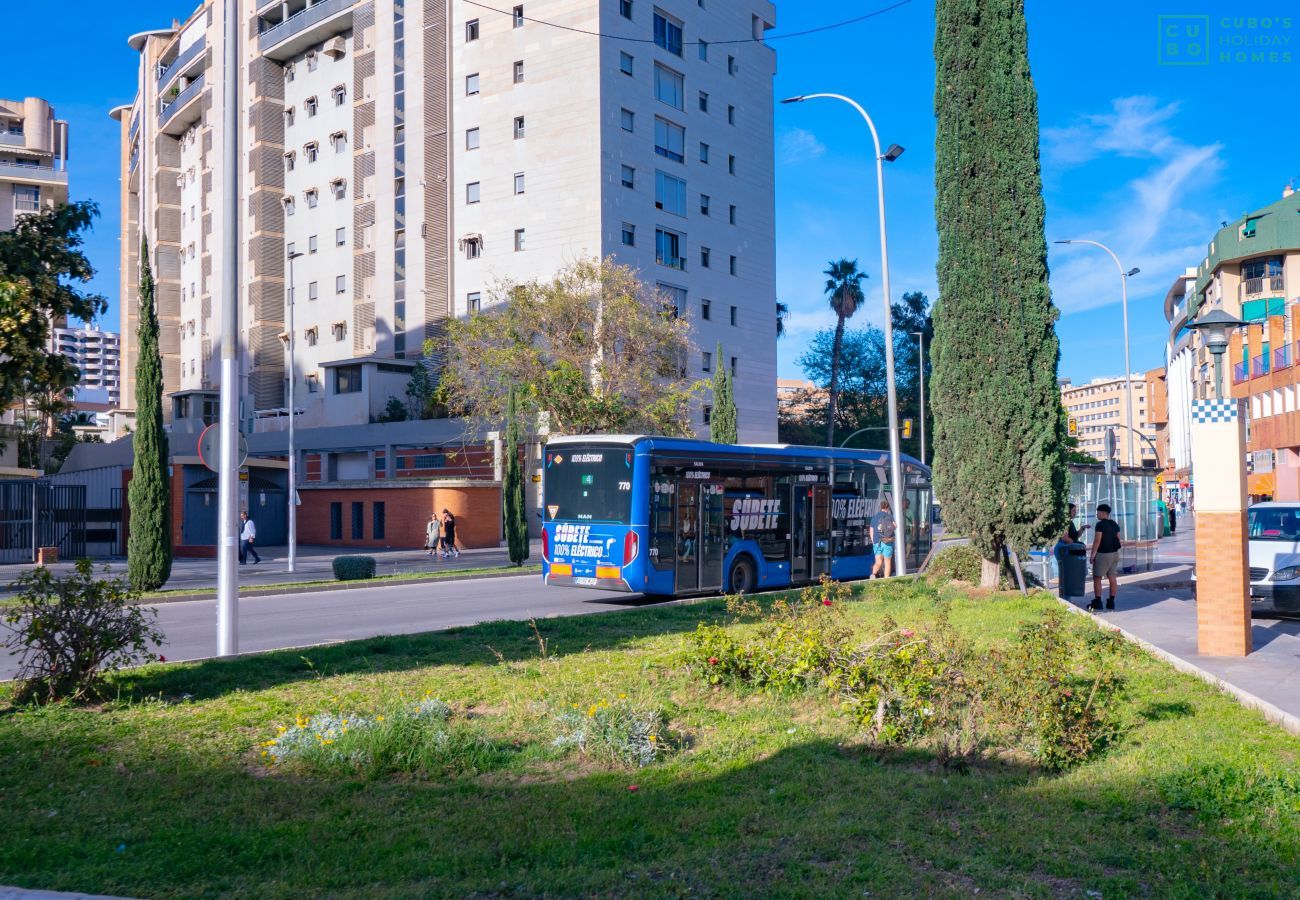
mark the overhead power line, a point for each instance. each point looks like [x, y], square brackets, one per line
[748, 40]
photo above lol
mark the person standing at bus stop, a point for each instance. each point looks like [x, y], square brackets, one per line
[1105, 557]
[882, 539]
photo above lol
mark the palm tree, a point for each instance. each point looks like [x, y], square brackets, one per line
[844, 288]
[782, 313]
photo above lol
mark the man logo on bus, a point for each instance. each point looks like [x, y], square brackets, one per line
[754, 514]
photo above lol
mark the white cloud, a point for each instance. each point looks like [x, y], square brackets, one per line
[799, 146]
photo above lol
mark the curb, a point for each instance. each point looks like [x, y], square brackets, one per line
[1271, 713]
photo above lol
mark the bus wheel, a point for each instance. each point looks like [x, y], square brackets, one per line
[743, 577]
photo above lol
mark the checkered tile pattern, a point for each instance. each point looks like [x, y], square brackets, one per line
[1214, 410]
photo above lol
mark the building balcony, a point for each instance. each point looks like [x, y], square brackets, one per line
[313, 24]
[13, 140]
[1259, 366]
[1240, 373]
[1264, 286]
[1282, 357]
[182, 110]
[33, 174]
[182, 63]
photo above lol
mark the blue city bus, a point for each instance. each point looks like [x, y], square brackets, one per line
[673, 516]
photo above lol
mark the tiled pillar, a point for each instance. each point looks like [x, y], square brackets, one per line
[1222, 582]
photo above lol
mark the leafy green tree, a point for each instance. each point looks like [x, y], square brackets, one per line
[1000, 428]
[41, 264]
[723, 420]
[422, 390]
[782, 315]
[149, 548]
[593, 350]
[910, 316]
[844, 288]
[516, 505]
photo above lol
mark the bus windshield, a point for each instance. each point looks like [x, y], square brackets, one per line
[589, 484]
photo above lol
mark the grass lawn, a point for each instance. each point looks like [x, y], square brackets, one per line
[163, 791]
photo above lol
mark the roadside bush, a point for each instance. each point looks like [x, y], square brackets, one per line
[415, 739]
[621, 732]
[962, 562]
[354, 568]
[69, 632]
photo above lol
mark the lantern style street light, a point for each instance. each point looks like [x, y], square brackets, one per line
[1215, 327]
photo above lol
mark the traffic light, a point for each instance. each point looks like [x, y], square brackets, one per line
[1073, 427]
[907, 429]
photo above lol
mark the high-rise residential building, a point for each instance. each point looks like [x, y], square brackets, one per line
[96, 354]
[1103, 404]
[1184, 381]
[420, 154]
[33, 159]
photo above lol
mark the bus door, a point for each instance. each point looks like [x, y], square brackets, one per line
[916, 516]
[821, 531]
[810, 532]
[701, 533]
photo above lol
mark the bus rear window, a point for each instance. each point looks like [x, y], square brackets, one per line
[589, 484]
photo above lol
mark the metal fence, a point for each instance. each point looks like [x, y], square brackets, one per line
[36, 513]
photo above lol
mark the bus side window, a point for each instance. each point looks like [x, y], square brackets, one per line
[663, 543]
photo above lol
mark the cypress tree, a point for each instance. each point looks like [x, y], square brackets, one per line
[516, 507]
[722, 422]
[149, 548]
[999, 427]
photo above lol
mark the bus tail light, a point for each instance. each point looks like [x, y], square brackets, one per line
[630, 547]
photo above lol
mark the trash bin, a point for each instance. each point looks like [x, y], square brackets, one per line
[1072, 562]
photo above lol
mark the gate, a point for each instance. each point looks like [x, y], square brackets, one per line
[55, 514]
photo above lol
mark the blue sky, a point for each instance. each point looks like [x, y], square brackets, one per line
[1145, 157]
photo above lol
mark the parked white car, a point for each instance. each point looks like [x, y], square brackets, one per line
[1273, 532]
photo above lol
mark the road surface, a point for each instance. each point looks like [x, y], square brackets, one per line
[300, 620]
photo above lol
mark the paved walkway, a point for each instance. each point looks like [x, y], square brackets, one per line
[1157, 607]
[312, 564]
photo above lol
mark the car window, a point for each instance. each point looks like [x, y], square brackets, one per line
[1274, 525]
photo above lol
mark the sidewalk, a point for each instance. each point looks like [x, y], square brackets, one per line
[1157, 607]
[312, 564]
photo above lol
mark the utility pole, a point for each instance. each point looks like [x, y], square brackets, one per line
[228, 477]
[293, 450]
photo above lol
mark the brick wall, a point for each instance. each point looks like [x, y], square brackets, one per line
[406, 512]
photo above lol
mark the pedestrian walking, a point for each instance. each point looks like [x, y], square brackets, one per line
[1105, 557]
[433, 534]
[1173, 519]
[449, 534]
[882, 541]
[247, 536]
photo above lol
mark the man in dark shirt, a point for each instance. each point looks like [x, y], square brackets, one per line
[1105, 557]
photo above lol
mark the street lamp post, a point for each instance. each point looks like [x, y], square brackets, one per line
[1124, 276]
[293, 450]
[920, 377]
[895, 467]
[1214, 328]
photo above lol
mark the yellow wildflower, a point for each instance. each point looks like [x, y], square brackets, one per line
[328, 741]
[379, 718]
[622, 696]
[653, 738]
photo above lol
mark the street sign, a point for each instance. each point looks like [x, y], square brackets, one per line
[210, 450]
[1073, 427]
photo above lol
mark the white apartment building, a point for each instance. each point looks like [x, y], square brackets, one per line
[418, 155]
[33, 159]
[97, 355]
[1184, 378]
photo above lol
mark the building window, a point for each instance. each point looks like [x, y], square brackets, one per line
[519, 71]
[707, 413]
[472, 192]
[287, 201]
[471, 139]
[519, 127]
[471, 85]
[311, 150]
[706, 361]
[670, 194]
[731, 164]
[670, 140]
[519, 182]
[704, 50]
[704, 101]
[358, 521]
[288, 117]
[312, 291]
[629, 177]
[668, 33]
[519, 16]
[629, 234]
[625, 8]
[340, 93]
[340, 141]
[731, 114]
[313, 196]
[473, 247]
[734, 313]
[519, 239]
[731, 214]
[674, 297]
[704, 257]
[625, 62]
[312, 61]
[377, 520]
[473, 302]
[310, 105]
[704, 153]
[704, 204]
[733, 265]
[340, 284]
[628, 119]
[670, 87]
[706, 310]
[312, 336]
[289, 159]
[347, 379]
[731, 65]
[311, 244]
[471, 30]
[734, 364]
[336, 521]
[340, 237]
[338, 186]
[668, 249]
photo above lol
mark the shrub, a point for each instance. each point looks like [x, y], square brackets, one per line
[354, 568]
[962, 562]
[416, 739]
[69, 632]
[622, 732]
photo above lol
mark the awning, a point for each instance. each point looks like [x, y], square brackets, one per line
[1260, 484]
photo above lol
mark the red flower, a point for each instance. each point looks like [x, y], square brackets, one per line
[713, 660]
[162, 658]
[906, 633]
[632, 787]
[826, 603]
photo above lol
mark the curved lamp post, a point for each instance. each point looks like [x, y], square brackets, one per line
[893, 152]
[1124, 276]
[1215, 327]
